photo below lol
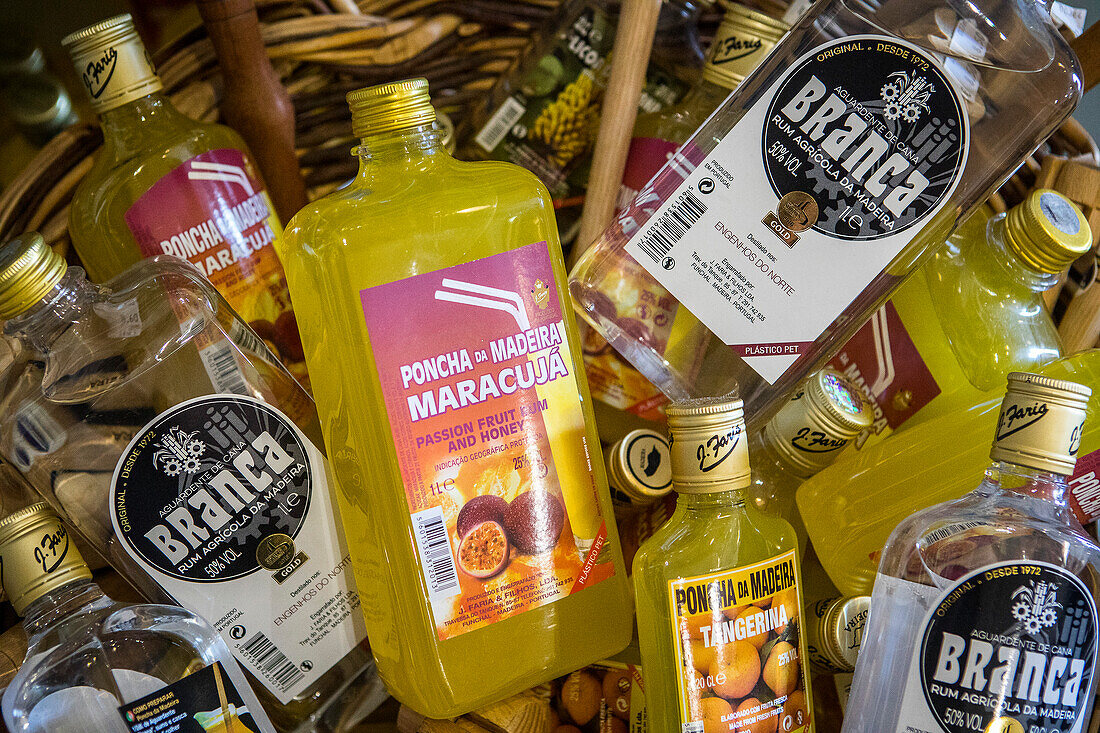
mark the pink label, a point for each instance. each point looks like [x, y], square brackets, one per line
[1083, 496]
[214, 212]
[485, 412]
[883, 360]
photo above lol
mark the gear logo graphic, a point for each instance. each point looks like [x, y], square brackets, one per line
[906, 96]
[1036, 607]
[178, 452]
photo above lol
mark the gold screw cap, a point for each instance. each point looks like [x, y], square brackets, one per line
[743, 39]
[111, 60]
[639, 466]
[36, 555]
[709, 447]
[1040, 423]
[29, 269]
[389, 107]
[819, 420]
[1047, 231]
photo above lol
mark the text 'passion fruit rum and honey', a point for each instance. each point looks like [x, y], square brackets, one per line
[210, 492]
[431, 295]
[718, 592]
[983, 615]
[970, 315]
[849, 153]
[166, 184]
[623, 396]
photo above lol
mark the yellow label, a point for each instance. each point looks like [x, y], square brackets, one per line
[739, 649]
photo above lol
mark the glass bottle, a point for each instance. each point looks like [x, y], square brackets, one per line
[91, 660]
[805, 436]
[718, 591]
[846, 157]
[432, 293]
[208, 491]
[166, 184]
[624, 398]
[983, 615]
[851, 507]
[545, 112]
[973, 312]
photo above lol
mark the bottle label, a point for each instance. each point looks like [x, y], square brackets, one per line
[831, 174]
[883, 360]
[739, 651]
[1083, 495]
[1010, 647]
[214, 212]
[206, 701]
[485, 411]
[225, 503]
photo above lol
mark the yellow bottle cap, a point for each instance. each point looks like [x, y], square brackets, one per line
[1047, 231]
[111, 60]
[388, 107]
[743, 39]
[37, 555]
[29, 269]
[1040, 423]
[819, 420]
[709, 447]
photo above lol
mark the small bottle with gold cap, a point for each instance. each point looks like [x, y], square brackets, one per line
[214, 495]
[718, 591]
[164, 183]
[446, 364]
[94, 664]
[983, 615]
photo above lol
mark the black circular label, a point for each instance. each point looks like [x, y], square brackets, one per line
[200, 490]
[1011, 647]
[872, 130]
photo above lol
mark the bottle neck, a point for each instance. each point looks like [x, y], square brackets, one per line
[411, 149]
[1011, 478]
[128, 127]
[715, 501]
[52, 608]
[41, 325]
[1006, 264]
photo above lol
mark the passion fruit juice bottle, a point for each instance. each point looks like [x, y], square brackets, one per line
[718, 591]
[432, 296]
[164, 183]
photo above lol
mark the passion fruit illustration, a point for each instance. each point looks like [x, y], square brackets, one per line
[534, 520]
[483, 551]
[287, 337]
[478, 510]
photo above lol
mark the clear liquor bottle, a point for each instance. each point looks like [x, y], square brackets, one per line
[164, 431]
[833, 169]
[983, 615]
[90, 658]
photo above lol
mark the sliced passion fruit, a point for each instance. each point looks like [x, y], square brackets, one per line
[483, 551]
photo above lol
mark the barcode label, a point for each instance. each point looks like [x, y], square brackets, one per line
[944, 532]
[440, 572]
[248, 340]
[220, 361]
[269, 661]
[668, 228]
[499, 124]
[695, 726]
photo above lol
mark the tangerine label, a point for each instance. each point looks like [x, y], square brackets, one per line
[739, 649]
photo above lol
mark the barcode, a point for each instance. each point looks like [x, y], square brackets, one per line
[221, 364]
[944, 532]
[271, 662]
[248, 340]
[695, 726]
[670, 226]
[499, 124]
[435, 553]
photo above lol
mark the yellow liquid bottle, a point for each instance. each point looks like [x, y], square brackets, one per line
[446, 366]
[973, 313]
[624, 399]
[166, 184]
[718, 592]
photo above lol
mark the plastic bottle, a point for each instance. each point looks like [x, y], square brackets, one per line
[830, 173]
[983, 615]
[432, 302]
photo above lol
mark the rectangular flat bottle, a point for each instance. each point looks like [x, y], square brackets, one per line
[432, 298]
